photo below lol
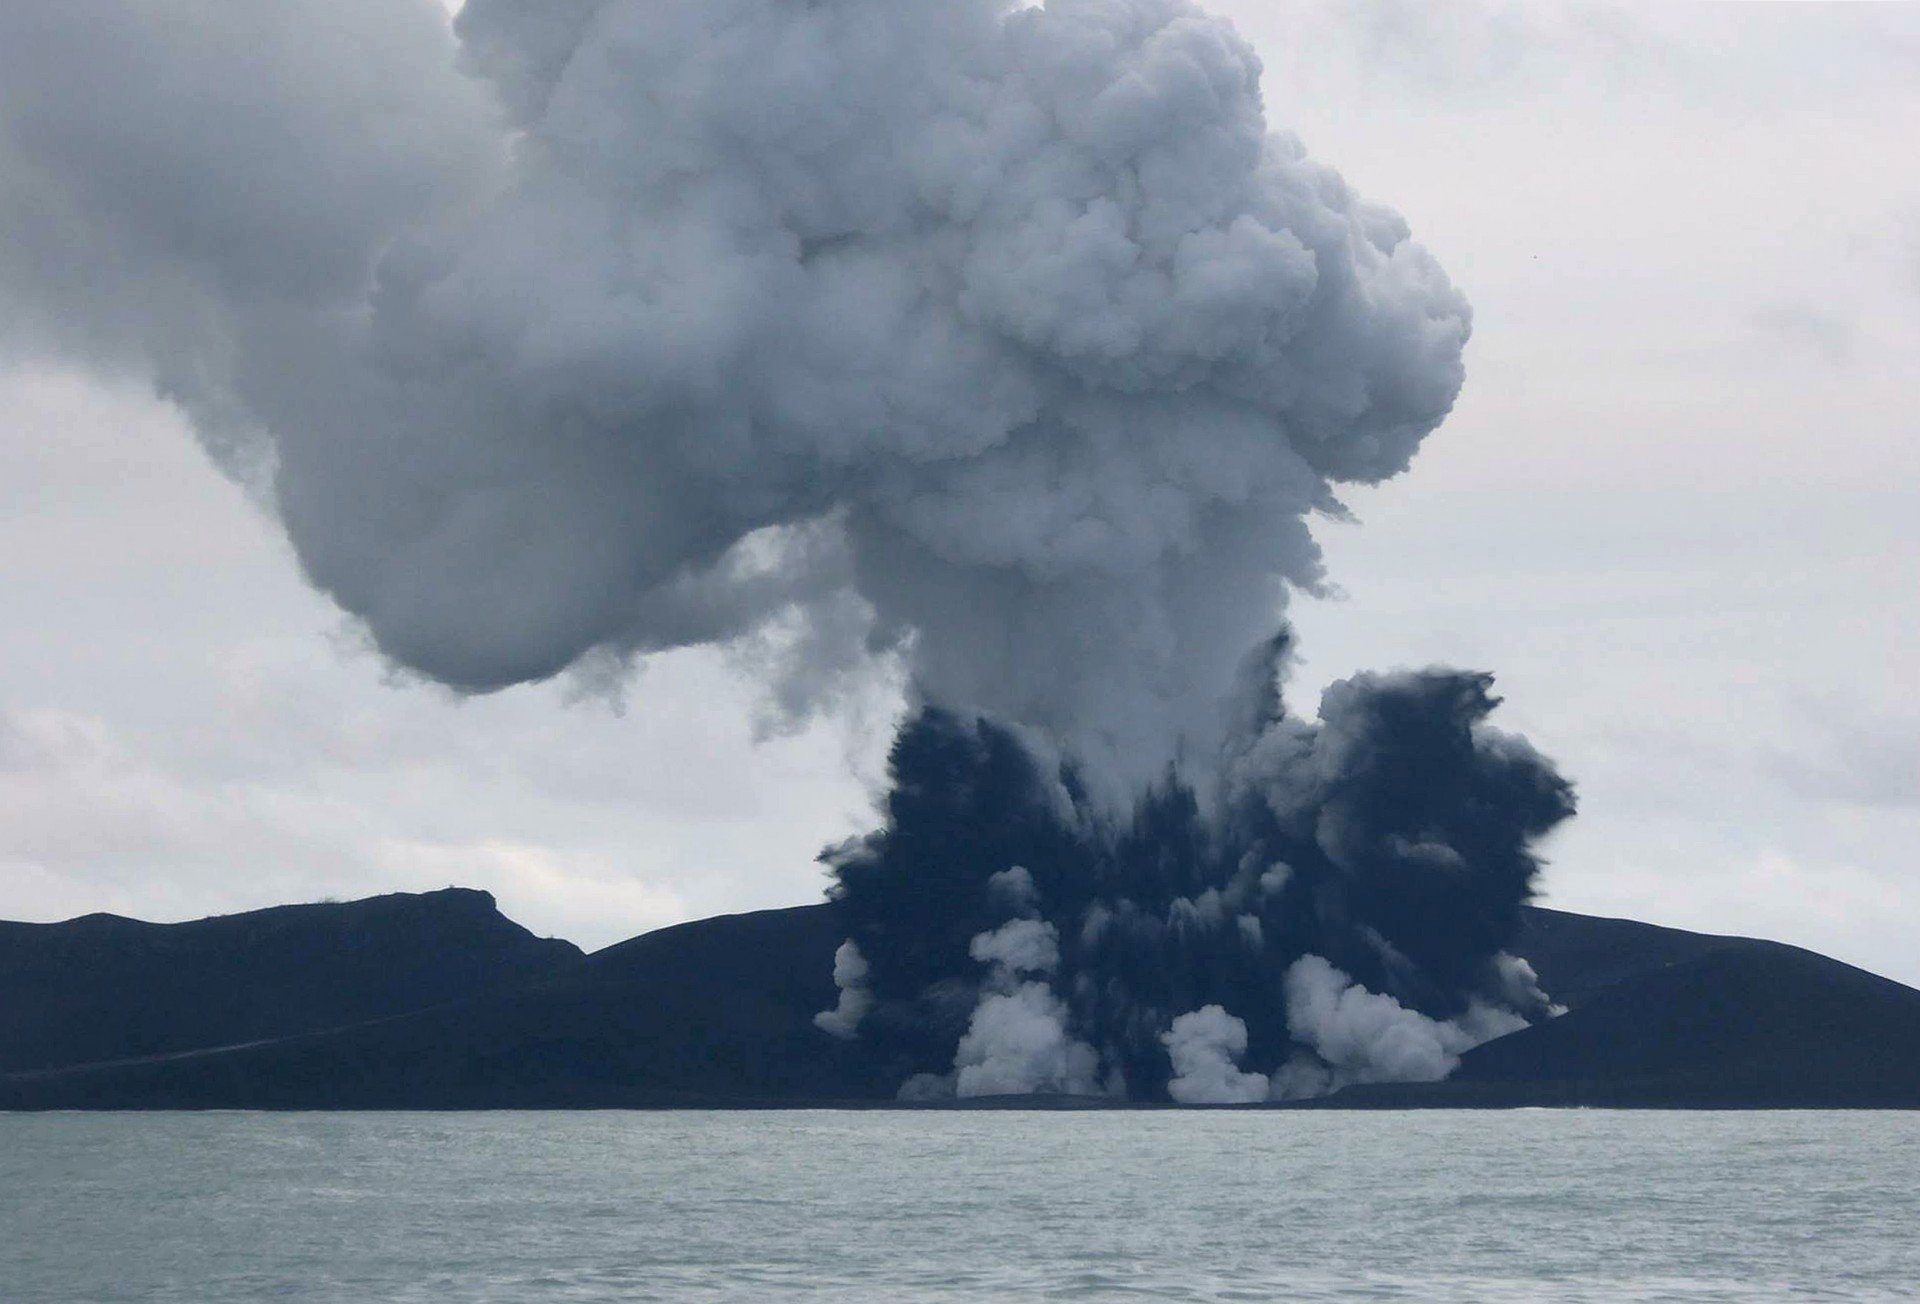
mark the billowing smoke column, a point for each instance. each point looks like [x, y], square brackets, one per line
[1007, 337]
[1335, 914]
[1003, 341]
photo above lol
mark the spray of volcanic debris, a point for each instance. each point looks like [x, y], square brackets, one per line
[1335, 913]
[1003, 340]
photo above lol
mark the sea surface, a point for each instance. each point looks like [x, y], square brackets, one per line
[939, 1206]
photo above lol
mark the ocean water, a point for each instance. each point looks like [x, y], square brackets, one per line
[1015, 1206]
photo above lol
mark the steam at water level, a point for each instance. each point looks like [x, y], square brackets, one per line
[1006, 341]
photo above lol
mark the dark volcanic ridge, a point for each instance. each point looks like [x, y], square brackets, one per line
[102, 987]
[437, 1001]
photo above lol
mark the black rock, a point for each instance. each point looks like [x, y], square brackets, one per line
[719, 1013]
[102, 987]
[716, 1012]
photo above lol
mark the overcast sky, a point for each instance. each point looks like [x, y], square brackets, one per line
[1675, 511]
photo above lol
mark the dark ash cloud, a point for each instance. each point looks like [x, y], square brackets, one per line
[1337, 913]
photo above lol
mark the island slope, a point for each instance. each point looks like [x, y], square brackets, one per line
[718, 1012]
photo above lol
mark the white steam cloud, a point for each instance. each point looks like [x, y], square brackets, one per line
[1017, 1041]
[1007, 338]
[1018, 1044]
[1355, 1035]
[1344, 1034]
[1205, 1047]
[850, 976]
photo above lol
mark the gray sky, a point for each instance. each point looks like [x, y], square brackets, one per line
[1675, 511]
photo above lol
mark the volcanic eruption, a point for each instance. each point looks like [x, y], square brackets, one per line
[1005, 343]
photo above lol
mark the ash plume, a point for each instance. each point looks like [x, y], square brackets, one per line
[1008, 342]
[1007, 338]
